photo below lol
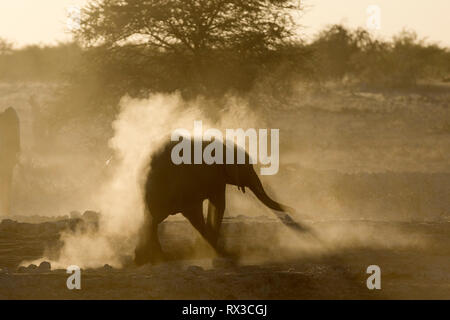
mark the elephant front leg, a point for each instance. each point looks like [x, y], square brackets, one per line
[216, 210]
[195, 216]
[148, 249]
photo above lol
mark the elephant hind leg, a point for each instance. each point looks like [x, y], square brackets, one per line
[148, 249]
[195, 216]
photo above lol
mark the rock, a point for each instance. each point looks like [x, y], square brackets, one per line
[107, 267]
[9, 225]
[74, 223]
[91, 216]
[164, 268]
[60, 271]
[22, 269]
[75, 215]
[32, 267]
[223, 263]
[45, 267]
[8, 222]
[195, 269]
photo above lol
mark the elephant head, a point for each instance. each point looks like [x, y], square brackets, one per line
[244, 176]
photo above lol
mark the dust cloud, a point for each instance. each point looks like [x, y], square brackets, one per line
[331, 202]
[142, 126]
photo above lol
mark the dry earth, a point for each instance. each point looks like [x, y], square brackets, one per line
[372, 170]
[272, 271]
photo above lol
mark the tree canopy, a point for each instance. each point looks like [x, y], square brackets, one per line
[196, 46]
[192, 26]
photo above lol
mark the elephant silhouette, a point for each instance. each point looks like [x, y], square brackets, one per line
[171, 189]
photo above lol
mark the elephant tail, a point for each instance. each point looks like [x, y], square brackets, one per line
[280, 210]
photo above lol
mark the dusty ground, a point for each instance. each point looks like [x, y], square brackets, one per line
[409, 270]
[370, 170]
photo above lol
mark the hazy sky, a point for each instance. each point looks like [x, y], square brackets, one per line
[44, 21]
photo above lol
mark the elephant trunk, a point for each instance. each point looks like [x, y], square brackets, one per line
[257, 188]
[281, 211]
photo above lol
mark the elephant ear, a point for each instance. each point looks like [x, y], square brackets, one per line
[232, 174]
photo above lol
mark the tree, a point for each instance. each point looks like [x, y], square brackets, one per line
[5, 47]
[188, 25]
[202, 35]
[334, 48]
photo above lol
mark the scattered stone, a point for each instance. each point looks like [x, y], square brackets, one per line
[223, 263]
[91, 216]
[45, 267]
[32, 267]
[146, 268]
[60, 271]
[22, 269]
[8, 225]
[8, 222]
[75, 215]
[107, 267]
[195, 269]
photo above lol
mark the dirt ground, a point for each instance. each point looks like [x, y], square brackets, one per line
[408, 271]
[370, 169]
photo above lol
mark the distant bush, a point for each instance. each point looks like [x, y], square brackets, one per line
[95, 77]
[38, 63]
[6, 47]
[400, 62]
[333, 49]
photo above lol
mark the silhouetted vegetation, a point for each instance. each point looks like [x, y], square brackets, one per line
[401, 62]
[198, 47]
[38, 63]
[211, 48]
[336, 53]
